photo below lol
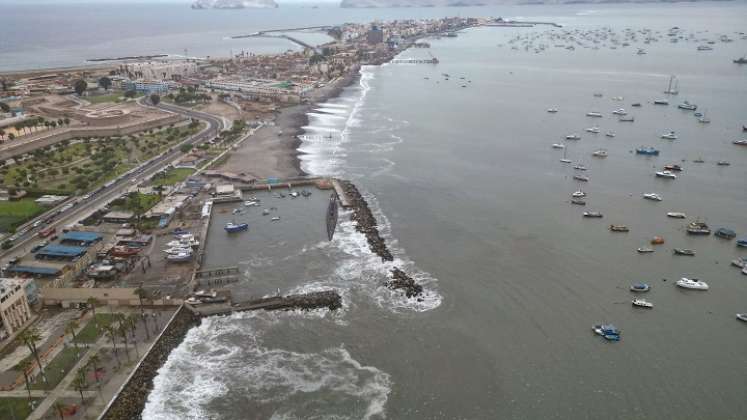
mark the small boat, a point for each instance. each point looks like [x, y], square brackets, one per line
[704, 48]
[578, 202]
[637, 105]
[181, 257]
[231, 227]
[723, 163]
[684, 251]
[620, 111]
[666, 174]
[578, 194]
[657, 240]
[641, 303]
[177, 251]
[594, 114]
[725, 233]
[581, 178]
[293, 194]
[236, 211]
[694, 284]
[593, 214]
[597, 95]
[275, 219]
[619, 228]
[608, 331]
[676, 215]
[629, 118]
[265, 212]
[698, 228]
[673, 167]
[600, 153]
[552, 110]
[661, 102]
[558, 146]
[742, 242]
[687, 106]
[594, 130]
[640, 287]
[641, 51]
[669, 136]
[739, 262]
[580, 167]
[609, 134]
[742, 317]
[740, 142]
[744, 271]
[652, 196]
[645, 250]
[648, 151]
[251, 203]
[699, 160]
[704, 120]
[573, 137]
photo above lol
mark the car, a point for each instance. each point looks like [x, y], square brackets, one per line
[86, 197]
[37, 223]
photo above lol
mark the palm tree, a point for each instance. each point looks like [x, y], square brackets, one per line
[58, 406]
[70, 328]
[25, 366]
[132, 325]
[141, 294]
[92, 302]
[80, 383]
[31, 336]
[122, 330]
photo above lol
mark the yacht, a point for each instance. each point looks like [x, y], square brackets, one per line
[573, 137]
[666, 174]
[600, 153]
[669, 136]
[739, 262]
[698, 228]
[593, 214]
[558, 146]
[620, 111]
[650, 151]
[687, 106]
[609, 134]
[594, 114]
[594, 130]
[694, 284]
[552, 110]
[652, 196]
[641, 303]
[619, 228]
[581, 178]
[684, 251]
[676, 215]
[640, 287]
[704, 48]
[578, 202]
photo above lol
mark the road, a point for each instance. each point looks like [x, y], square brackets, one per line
[82, 208]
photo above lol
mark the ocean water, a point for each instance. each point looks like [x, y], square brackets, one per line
[473, 202]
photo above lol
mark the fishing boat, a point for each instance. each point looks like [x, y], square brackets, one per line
[725, 233]
[642, 303]
[687, 106]
[694, 284]
[573, 137]
[652, 196]
[232, 227]
[594, 130]
[742, 317]
[666, 174]
[581, 178]
[684, 251]
[640, 287]
[669, 136]
[558, 146]
[673, 167]
[740, 142]
[619, 228]
[628, 118]
[676, 215]
[661, 102]
[552, 110]
[672, 87]
[578, 202]
[645, 250]
[594, 114]
[657, 240]
[580, 167]
[608, 331]
[698, 228]
[578, 194]
[648, 151]
[593, 214]
[600, 153]
[620, 111]
[609, 134]
[742, 242]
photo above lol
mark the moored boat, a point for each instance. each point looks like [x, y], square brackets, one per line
[645, 250]
[594, 130]
[742, 317]
[684, 251]
[673, 167]
[619, 228]
[725, 233]
[231, 227]
[608, 331]
[640, 287]
[698, 228]
[742, 242]
[581, 178]
[676, 215]
[601, 153]
[558, 146]
[687, 106]
[669, 136]
[573, 137]
[661, 102]
[694, 284]
[739, 262]
[594, 114]
[648, 151]
[652, 196]
[642, 303]
[620, 111]
[552, 110]
[666, 174]
[593, 214]
[610, 134]
[578, 202]
[657, 240]
[723, 163]
[181, 257]
[578, 194]
[628, 118]
[740, 142]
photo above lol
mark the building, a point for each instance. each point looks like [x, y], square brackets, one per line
[147, 86]
[14, 306]
[118, 216]
[375, 35]
[60, 252]
[80, 238]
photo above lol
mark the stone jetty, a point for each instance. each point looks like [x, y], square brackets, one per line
[400, 280]
[315, 300]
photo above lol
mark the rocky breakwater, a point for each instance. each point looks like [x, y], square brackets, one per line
[128, 404]
[365, 223]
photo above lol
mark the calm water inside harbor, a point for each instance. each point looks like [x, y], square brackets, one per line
[474, 203]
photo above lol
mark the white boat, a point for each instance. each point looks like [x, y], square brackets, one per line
[275, 218]
[251, 203]
[578, 194]
[652, 196]
[581, 178]
[594, 114]
[694, 284]
[558, 146]
[744, 271]
[620, 111]
[600, 153]
[293, 194]
[742, 317]
[628, 118]
[609, 134]
[641, 303]
[645, 250]
[552, 110]
[184, 256]
[676, 215]
[740, 263]
[177, 251]
[573, 137]
[580, 167]
[704, 48]
[594, 130]
[666, 174]
[687, 106]
[669, 136]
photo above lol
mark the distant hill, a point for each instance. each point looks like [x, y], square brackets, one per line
[234, 4]
[463, 3]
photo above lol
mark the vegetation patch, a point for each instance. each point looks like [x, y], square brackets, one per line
[58, 368]
[93, 330]
[16, 408]
[15, 213]
[171, 177]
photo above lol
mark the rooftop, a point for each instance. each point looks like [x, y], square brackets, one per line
[64, 251]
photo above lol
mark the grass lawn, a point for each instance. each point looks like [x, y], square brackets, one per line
[58, 368]
[99, 99]
[89, 333]
[172, 177]
[15, 408]
[14, 213]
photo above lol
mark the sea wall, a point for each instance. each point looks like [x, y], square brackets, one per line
[129, 402]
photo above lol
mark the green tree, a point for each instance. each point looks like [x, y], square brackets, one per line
[105, 83]
[155, 99]
[94, 362]
[130, 94]
[80, 383]
[70, 328]
[4, 107]
[185, 148]
[91, 301]
[30, 336]
[80, 86]
[25, 366]
[142, 294]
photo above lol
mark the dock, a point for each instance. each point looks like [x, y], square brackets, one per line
[314, 300]
[344, 200]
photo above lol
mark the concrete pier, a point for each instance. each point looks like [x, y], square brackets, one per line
[315, 300]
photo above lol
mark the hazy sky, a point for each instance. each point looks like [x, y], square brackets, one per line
[141, 1]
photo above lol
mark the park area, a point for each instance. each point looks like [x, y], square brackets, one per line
[15, 213]
[171, 177]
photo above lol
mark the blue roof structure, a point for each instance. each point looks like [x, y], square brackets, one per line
[86, 237]
[60, 251]
[25, 269]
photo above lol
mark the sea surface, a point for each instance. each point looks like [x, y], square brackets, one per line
[474, 203]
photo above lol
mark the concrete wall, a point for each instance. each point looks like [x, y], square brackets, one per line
[20, 146]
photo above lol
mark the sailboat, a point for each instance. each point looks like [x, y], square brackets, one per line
[565, 156]
[673, 87]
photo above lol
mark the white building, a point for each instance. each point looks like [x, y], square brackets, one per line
[14, 306]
